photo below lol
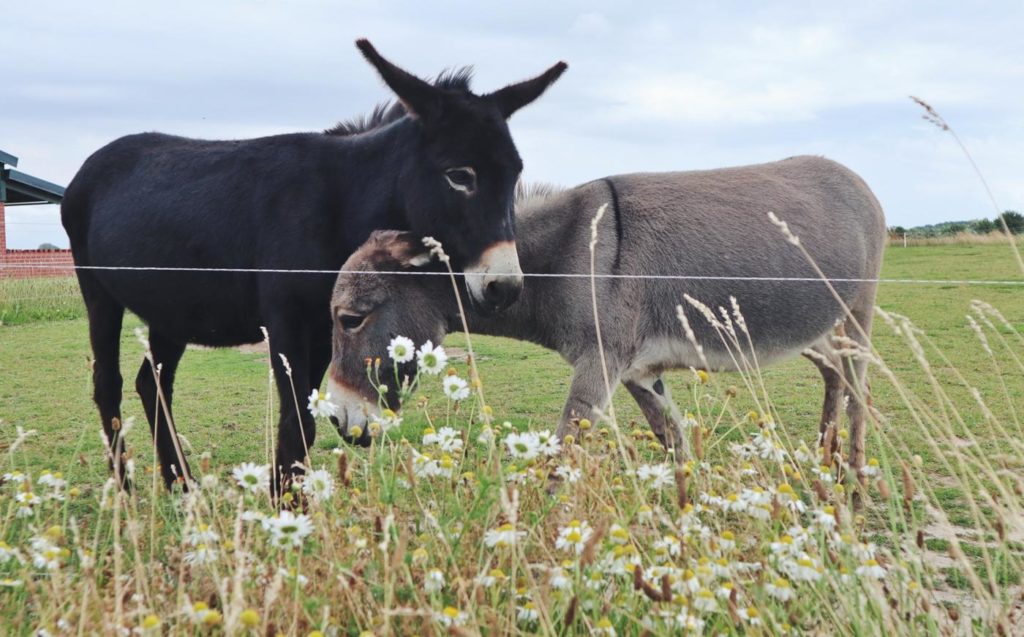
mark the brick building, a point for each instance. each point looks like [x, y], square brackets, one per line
[20, 189]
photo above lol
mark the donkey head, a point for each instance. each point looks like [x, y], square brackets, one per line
[459, 175]
[370, 309]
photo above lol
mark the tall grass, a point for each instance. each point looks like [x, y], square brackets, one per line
[452, 529]
[996, 237]
[39, 299]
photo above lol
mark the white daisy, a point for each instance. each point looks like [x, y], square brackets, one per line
[198, 612]
[871, 469]
[705, 601]
[491, 577]
[455, 388]
[46, 554]
[386, 421]
[523, 445]
[287, 529]
[201, 554]
[567, 473]
[527, 613]
[451, 616]
[604, 627]
[318, 485]
[559, 579]
[202, 534]
[871, 568]
[751, 615]
[7, 553]
[426, 466]
[434, 581]
[504, 535]
[431, 359]
[446, 439]
[780, 589]
[574, 536]
[252, 477]
[320, 404]
[667, 547]
[656, 476]
[548, 444]
[486, 435]
[16, 477]
[803, 569]
[825, 517]
[401, 349]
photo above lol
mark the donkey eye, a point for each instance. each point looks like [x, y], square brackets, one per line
[351, 322]
[462, 179]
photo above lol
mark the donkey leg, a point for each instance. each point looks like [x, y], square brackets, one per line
[105, 316]
[588, 394]
[830, 365]
[166, 354]
[655, 400]
[296, 427]
[855, 371]
[319, 359]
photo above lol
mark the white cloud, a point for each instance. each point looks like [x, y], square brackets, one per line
[651, 86]
[590, 24]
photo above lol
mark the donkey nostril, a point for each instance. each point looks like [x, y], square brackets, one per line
[492, 291]
[501, 294]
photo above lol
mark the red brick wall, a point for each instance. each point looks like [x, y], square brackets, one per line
[20, 264]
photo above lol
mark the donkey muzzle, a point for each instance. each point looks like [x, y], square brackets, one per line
[354, 412]
[495, 281]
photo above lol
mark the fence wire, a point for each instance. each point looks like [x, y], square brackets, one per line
[540, 275]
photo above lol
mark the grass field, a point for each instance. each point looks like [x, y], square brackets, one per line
[221, 405]
[47, 380]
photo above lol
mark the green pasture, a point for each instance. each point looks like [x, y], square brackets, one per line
[221, 397]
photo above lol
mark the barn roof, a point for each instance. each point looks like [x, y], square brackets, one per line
[18, 188]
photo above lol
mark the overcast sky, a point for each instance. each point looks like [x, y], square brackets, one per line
[659, 86]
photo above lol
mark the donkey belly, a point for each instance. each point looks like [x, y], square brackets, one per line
[767, 323]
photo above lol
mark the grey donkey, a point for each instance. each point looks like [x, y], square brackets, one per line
[710, 226]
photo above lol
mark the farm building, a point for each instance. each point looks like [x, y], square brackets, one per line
[21, 189]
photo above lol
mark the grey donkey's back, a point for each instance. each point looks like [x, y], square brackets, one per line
[712, 228]
[715, 224]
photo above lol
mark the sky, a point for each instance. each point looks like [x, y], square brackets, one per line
[650, 86]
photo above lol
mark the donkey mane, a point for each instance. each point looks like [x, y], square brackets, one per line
[386, 112]
[535, 192]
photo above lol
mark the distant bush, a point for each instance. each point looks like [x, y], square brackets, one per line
[1014, 221]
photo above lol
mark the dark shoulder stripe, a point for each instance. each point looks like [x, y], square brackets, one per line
[618, 220]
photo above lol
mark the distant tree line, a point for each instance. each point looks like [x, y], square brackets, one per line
[1014, 221]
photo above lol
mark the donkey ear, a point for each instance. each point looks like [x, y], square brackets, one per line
[515, 96]
[403, 248]
[419, 97]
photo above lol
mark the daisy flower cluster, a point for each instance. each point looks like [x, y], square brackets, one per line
[465, 524]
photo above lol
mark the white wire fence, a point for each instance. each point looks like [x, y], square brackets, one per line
[547, 275]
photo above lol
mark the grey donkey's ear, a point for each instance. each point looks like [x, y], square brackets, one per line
[419, 97]
[405, 249]
[515, 96]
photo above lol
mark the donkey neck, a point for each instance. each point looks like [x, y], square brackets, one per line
[542, 224]
[368, 169]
